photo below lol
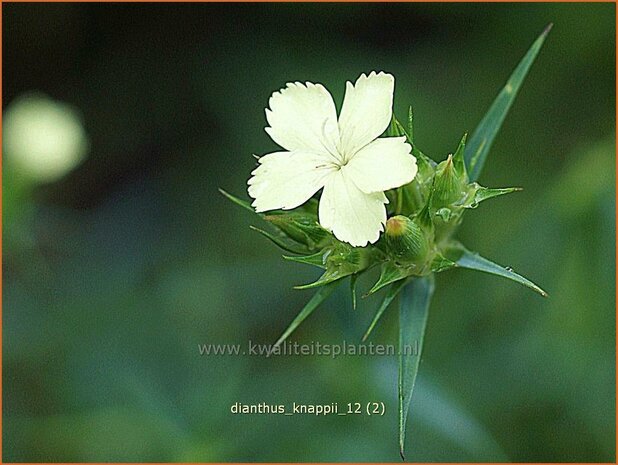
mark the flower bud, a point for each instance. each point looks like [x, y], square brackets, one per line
[406, 240]
[300, 227]
[449, 185]
[343, 254]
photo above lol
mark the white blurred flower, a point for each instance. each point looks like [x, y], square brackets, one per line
[344, 156]
[42, 138]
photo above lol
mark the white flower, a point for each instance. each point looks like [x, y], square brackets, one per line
[345, 156]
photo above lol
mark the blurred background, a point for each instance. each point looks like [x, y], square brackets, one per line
[120, 256]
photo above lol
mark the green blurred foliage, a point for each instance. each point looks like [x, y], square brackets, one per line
[114, 274]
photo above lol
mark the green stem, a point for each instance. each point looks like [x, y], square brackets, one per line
[399, 204]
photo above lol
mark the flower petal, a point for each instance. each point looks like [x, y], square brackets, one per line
[303, 117]
[352, 215]
[383, 164]
[366, 111]
[287, 179]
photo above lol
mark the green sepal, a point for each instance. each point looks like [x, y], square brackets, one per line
[410, 198]
[426, 166]
[317, 259]
[449, 186]
[329, 276]
[299, 232]
[393, 291]
[424, 216]
[281, 241]
[463, 258]
[389, 273]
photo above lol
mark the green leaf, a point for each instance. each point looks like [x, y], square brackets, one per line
[438, 410]
[242, 203]
[330, 275]
[396, 129]
[393, 291]
[483, 137]
[485, 193]
[340, 260]
[441, 263]
[425, 164]
[410, 125]
[473, 261]
[317, 259]
[424, 216]
[389, 274]
[307, 310]
[353, 281]
[413, 312]
[281, 242]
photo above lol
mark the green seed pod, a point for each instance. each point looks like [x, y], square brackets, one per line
[449, 185]
[406, 240]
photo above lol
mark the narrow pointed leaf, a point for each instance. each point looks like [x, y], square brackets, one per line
[353, 281]
[413, 312]
[412, 199]
[458, 157]
[485, 193]
[441, 263]
[424, 162]
[280, 242]
[307, 310]
[393, 291]
[300, 227]
[341, 260]
[410, 125]
[474, 261]
[389, 274]
[242, 203]
[329, 276]
[424, 216]
[316, 259]
[483, 137]
[396, 129]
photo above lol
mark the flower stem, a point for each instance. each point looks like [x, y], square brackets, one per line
[399, 204]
